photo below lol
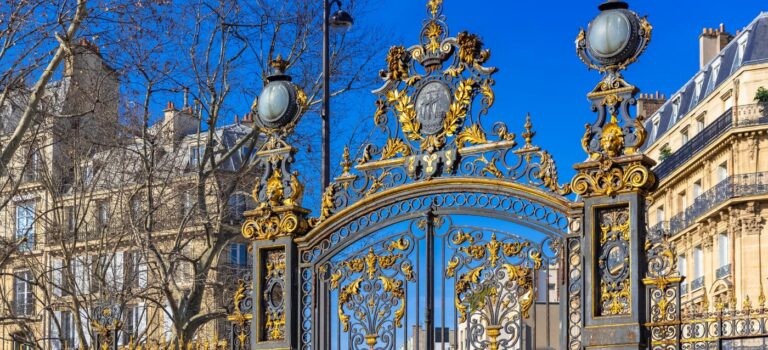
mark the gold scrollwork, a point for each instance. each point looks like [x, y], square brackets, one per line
[269, 225]
[610, 180]
[615, 297]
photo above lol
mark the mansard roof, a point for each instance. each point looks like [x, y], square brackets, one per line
[754, 42]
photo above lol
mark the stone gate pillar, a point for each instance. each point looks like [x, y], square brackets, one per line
[613, 183]
[266, 308]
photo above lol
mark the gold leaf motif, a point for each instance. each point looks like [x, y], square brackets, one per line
[473, 135]
[397, 63]
[433, 32]
[393, 147]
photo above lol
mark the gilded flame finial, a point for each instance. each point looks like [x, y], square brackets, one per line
[346, 163]
[529, 133]
[434, 7]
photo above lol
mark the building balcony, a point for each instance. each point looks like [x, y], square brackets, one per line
[723, 271]
[736, 117]
[732, 187]
[697, 284]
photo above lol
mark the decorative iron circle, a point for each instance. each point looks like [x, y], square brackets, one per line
[432, 103]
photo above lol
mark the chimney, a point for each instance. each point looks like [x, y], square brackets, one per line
[647, 104]
[178, 123]
[711, 41]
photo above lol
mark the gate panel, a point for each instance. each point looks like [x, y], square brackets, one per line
[440, 280]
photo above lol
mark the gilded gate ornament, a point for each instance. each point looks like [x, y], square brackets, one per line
[371, 291]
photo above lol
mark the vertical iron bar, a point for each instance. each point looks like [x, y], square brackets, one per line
[430, 297]
[326, 111]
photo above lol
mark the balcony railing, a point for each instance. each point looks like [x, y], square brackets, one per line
[741, 116]
[723, 271]
[732, 187]
[697, 284]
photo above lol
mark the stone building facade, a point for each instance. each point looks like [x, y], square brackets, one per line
[710, 140]
[76, 215]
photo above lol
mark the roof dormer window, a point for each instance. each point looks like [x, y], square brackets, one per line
[675, 109]
[698, 84]
[741, 48]
[714, 69]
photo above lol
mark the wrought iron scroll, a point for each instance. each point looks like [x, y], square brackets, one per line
[242, 314]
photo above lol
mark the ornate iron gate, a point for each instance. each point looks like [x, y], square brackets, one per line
[448, 234]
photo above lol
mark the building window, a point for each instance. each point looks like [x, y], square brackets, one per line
[25, 225]
[134, 324]
[722, 172]
[698, 262]
[136, 209]
[187, 201]
[713, 74]
[23, 298]
[135, 270]
[660, 216]
[69, 213]
[62, 331]
[238, 255]
[33, 167]
[740, 51]
[102, 214]
[696, 189]
[682, 201]
[699, 83]
[656, 121]
[681, 265]
[722, 249]
[87, 173]
[196, 155]
[684, 136]
[675, 110]
[700, 124]
[236, 206]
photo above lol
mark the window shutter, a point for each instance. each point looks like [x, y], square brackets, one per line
[118, 271]
[56, 265]
[142, 270]
[54, 330]
[84, 326]
[141, 322]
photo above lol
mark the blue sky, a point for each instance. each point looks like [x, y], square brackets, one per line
[532, 42]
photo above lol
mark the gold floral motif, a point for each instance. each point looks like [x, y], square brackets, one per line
[473, 135]
[379, 116]
[615, 297]
[406, 113]
[433, 32]
[397, 63]
[529, 133]
[502, 131]
[393, 147]
[434, 6]
[326, 206]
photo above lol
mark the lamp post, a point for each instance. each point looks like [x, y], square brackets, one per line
[339, 19]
